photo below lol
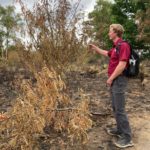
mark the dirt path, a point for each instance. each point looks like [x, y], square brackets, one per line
[138, 108]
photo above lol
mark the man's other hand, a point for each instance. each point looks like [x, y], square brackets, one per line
[109, 82]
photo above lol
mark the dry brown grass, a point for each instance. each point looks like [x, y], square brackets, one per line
[53, 36]
[43, 104]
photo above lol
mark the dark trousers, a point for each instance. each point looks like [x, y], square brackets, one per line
[118, 104]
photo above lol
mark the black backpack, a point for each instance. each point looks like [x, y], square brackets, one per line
[133, 68]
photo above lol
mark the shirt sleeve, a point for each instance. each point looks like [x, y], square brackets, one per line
[110, 52]
[124, 54]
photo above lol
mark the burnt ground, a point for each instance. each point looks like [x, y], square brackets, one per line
[137, 107]
[93, 84]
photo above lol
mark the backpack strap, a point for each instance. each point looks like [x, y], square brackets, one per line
[119, 44]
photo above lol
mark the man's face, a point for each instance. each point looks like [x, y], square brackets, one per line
[112, 35]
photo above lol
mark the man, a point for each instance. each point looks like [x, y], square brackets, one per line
[117, 81]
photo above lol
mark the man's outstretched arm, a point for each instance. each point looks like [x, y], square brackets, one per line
[98, 50]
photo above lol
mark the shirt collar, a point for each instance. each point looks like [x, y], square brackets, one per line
[116, 43]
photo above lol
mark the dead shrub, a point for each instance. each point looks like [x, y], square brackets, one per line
[52, 29]
[43, 104]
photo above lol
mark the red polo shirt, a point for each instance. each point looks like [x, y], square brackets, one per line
[123, 55]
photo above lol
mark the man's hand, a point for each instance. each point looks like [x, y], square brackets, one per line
[109, 82]
[92, 47]
[119, 69]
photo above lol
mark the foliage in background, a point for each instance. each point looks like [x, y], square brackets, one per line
[124, 12]
[9, 22]
[143, 21]
[99, 18]
[127, 13]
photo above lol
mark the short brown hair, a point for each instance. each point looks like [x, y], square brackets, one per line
[118, 29]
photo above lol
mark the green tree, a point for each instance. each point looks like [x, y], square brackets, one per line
[143, 22]
[8, 24]
[100, 20]
[126, 13]
[143, 18]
